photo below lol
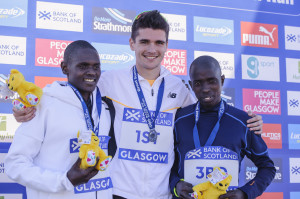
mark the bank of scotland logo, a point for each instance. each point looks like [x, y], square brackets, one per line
[294, 103]
[194, 154]
[44, 15]
[294, 170]
[291, 38]
[74, 145]
[293, 100]
[132, 115]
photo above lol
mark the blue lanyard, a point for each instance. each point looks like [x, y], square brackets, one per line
[215, 130]
[86, 111]
[150, 121]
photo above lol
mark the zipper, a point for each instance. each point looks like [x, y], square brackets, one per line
[152, 92]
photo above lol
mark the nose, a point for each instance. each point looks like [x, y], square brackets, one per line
[205, 87]
[91, 70]
[151, 48]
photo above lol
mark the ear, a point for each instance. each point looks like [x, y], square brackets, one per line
[64, 68]
[14, 71]
[222, 79]
[131, 44]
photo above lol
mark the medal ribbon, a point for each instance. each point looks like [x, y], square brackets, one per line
[150, 121]
[86, 111]
[215, 130]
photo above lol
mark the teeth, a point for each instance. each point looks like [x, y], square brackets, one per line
[89, 80]
[150, 57]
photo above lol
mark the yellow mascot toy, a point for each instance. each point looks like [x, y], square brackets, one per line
[30, 93]
[217, 185]
[90, 151]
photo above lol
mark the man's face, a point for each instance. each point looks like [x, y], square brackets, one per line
[207, 84]
[150, 46]
[83, 70]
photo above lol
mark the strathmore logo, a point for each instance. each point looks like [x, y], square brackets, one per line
[259, 35]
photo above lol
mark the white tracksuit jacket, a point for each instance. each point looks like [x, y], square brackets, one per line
[43, 149]
[140, 168]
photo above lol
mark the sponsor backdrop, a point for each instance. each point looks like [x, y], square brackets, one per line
[257, 43]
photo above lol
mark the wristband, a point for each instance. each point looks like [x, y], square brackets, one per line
[175, 193]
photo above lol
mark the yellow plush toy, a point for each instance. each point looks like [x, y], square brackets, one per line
[217, 185]
[88, 153]
[30, 93]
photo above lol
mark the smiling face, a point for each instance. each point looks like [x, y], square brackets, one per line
[83, 70]
[150, 46]
[206, 82]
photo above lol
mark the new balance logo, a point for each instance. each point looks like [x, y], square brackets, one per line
[294, 103]
[291, 38]
[44, 15]
[172, 95]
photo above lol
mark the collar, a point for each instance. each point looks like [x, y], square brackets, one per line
[214, 109]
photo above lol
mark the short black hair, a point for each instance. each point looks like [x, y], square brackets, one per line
[149, 19]
[205, 60]
[74, 46]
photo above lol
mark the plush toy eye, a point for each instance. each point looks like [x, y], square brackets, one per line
[226, 185]
[221, 184]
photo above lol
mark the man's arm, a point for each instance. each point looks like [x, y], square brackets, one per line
[257, 152]
[20, 166]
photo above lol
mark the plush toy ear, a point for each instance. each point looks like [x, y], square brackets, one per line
[78, 133]
[14, 71]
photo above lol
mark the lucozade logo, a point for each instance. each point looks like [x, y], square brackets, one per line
[259, 35]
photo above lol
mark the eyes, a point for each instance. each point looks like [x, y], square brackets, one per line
[145, 42]
[86, 66]
[212, 81]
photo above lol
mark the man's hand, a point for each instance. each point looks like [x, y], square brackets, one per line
[235, 194]
[24, 115]
[255, 123]
[183, 189]
[78, 176]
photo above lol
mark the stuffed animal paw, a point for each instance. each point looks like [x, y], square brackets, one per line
[217, 185]
[90, 151]
[30, 93]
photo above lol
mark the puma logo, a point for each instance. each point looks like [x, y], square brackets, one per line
[264, 30]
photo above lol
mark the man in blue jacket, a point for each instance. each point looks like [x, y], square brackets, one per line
[210, 127]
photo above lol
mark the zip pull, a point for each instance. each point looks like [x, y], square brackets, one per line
[152, 92]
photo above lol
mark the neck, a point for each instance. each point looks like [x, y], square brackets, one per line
[85, 96]
[149, 74]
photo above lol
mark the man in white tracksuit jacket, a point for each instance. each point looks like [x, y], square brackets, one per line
[141, 167]
[45, 148]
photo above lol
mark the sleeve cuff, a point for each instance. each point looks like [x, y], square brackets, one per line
[68, 185]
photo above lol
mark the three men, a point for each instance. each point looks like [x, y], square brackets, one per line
[145, 113]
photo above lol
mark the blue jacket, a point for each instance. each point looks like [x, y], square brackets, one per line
[233, 134]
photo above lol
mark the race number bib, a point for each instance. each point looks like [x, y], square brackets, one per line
[135, 144]
[200, 162]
